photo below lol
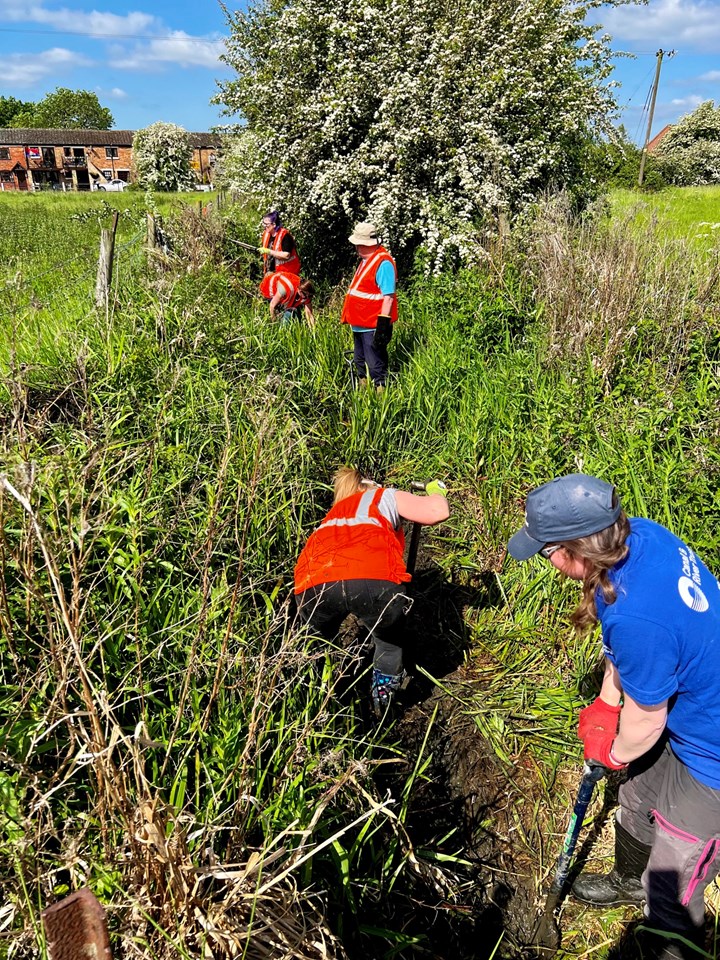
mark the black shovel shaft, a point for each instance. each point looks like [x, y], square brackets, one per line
[592, 773]
[415, 535]
[413, 548]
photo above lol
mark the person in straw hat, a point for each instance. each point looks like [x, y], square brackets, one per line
[370, 306]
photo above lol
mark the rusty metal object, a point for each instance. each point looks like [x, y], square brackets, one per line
[76, 928]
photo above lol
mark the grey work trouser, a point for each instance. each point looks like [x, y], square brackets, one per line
[663, 806]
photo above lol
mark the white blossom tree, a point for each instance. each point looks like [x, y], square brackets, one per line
[162, 154]
[690, 151]
[428, 117]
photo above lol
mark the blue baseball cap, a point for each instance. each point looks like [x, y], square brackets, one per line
[564, 509]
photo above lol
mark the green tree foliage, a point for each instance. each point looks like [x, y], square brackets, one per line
[10, 108]
[616, 163]
[162, 154]
[429, 118]
[71, 110]
[690, 152]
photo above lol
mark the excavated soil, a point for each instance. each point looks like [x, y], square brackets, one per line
[466, 805]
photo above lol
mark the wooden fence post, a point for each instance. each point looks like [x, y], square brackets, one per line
[105, 263]
[151, 232]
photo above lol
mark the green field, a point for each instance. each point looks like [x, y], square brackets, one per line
[170, 737]
[688, 212]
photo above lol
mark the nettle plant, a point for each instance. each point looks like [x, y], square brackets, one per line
[162, 154]
[430, 118]
[690, 151]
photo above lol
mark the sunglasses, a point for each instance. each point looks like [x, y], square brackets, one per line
[547, 552]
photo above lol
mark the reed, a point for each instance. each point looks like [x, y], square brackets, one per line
[169, 735]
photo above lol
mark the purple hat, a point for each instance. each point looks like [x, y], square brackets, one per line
[566, 508]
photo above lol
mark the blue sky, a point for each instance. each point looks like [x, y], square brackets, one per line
[159, 61]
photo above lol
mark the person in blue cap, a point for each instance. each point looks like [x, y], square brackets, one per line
[658, 711]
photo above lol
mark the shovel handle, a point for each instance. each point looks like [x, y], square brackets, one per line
[418, 485]
[593, 772]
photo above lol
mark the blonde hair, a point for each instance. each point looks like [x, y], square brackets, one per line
[346, 482]
[601, 551]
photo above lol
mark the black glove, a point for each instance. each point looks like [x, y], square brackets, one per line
[383, 332]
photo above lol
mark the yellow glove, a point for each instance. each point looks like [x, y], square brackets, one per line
[436, 486]
[265, 250]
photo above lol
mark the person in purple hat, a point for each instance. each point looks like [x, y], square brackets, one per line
[658, 711]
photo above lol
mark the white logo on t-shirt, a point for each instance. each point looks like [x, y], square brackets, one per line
[692, 595]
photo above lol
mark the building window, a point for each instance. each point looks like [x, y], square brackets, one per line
[7, 176]
[111, 153]
[4, 153]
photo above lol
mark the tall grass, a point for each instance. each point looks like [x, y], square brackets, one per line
[169, 735]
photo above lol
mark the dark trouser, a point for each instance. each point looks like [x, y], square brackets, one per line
[374, 358]
[378, 604]
[664, 806]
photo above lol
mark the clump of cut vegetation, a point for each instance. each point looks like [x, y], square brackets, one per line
[169, 736]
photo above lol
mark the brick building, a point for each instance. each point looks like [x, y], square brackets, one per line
[81, 159]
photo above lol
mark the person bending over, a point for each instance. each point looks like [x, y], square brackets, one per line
[658, 712]
[288, 292]
[353, 563]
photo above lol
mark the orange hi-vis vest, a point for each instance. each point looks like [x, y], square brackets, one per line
[354, 542]
[364, 299]
[291, 265]
[287, 284]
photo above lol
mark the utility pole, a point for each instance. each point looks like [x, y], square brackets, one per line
[656, 83]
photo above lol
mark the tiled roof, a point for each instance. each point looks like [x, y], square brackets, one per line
[16, 137]
[658, 137]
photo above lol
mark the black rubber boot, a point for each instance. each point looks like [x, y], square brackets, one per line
[622, 884]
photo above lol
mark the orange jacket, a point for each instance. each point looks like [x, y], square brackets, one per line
[354, 542]
[363, 300]
[288, 284]
[292, 265]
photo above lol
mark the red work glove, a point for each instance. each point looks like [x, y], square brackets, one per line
[598, 746]
[598, 716]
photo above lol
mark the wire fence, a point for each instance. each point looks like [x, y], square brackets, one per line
[32, 292]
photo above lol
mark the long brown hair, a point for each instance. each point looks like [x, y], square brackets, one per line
[601, 551]
[346, 482]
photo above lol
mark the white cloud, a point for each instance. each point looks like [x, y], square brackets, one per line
[712, 76]
[79, 21]
[26, 69]
[687, 104]
[116, 93]
[164, 46]
[177, 48]
[687, 25]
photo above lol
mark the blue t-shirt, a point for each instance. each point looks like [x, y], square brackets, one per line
[663, 635]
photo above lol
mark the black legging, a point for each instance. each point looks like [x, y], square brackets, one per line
[378, 604]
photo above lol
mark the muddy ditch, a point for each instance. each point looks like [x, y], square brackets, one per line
[467, 806]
